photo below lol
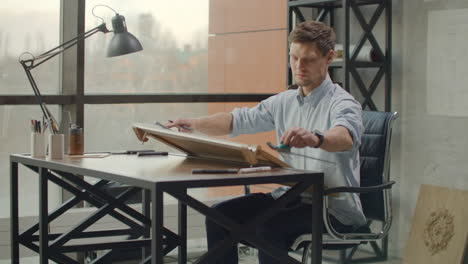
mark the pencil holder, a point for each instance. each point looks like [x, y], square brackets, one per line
[56, 146]
[38, 145]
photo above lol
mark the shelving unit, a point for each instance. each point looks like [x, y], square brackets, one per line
[325, 11]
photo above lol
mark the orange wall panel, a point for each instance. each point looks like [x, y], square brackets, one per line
[214, 108]
[256, 62]
[247, 53]
[253, 62]
[216, 61]
[247, 15]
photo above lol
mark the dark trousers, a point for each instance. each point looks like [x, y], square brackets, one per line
[281, 230]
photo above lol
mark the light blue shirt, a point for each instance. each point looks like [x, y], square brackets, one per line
[326, 107]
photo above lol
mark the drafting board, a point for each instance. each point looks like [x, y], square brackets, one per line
[206, 147]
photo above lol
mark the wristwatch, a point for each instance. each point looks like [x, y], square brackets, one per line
[320, 137]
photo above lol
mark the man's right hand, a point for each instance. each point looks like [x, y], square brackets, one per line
[183, 124]
[218, 124]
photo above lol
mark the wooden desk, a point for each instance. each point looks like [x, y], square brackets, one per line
[154, 175]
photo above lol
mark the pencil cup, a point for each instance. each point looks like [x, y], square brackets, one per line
[56, 146]
[38, 145]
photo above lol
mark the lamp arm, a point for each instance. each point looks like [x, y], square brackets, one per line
[62, 47]
[52, 123]
[29, 64]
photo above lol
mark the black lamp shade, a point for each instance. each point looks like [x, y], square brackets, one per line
[122, 42]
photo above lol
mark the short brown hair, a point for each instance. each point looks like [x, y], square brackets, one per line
[315, 32]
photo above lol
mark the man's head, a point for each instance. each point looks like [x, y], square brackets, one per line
[311, 50]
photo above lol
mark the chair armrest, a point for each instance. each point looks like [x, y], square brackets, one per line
[375, 188]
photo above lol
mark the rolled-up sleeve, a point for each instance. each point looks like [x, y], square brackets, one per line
[253, 120]
[348, 113]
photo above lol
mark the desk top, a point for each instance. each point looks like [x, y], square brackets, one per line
[146, 172]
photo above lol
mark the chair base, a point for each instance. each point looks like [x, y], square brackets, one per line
[381, 252]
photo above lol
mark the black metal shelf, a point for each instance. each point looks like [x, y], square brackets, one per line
[298, 11]
[307, 3]
[133, 98]
[329, 3]
[358, 64]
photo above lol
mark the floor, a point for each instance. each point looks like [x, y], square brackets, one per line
[249, 256]
[246, 256]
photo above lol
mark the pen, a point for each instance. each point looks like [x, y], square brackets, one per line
[44, 124]
[36, 126]
[97, 152]
[130, 152]
[214, 171]
[153, 153]
[255, 169]
[161, 125]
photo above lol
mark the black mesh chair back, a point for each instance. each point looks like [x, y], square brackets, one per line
[373, 152]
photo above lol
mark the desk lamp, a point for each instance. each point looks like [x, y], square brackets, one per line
[122, 43]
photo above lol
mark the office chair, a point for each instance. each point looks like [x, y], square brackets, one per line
[374, 193]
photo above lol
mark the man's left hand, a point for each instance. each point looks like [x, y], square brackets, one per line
[298, 137]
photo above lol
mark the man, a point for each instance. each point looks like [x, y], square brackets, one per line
[318, 120]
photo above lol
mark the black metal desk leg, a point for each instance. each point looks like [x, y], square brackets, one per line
[14, 220]
[317, 223]
[157, 226]
[146, 203]
[182, 229]
[43, 217]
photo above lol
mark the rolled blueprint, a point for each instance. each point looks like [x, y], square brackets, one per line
[367, 53]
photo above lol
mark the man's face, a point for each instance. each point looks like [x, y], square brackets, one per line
[308, 64]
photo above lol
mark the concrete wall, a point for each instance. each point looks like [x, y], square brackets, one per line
[431, 145]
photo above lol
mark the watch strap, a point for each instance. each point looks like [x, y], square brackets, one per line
[320, 137]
